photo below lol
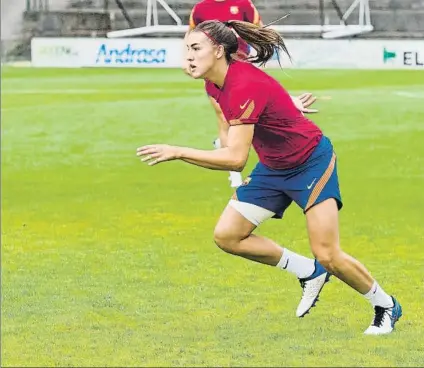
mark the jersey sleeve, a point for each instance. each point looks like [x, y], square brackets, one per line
[194, 19]
[246, 105]
[251, 14]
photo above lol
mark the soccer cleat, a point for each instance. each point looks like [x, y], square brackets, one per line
[384, 319]
[312, 287]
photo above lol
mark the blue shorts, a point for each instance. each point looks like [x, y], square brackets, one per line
[308, 184]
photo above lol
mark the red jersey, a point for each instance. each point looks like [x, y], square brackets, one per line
[224, 11]
[283, 137]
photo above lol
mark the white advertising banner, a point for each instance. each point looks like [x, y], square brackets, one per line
[98, 52]
[169, 53]
[354, 54]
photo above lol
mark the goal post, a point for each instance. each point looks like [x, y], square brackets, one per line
[347, 26]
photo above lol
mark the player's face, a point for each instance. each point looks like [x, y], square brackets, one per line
[201, 55]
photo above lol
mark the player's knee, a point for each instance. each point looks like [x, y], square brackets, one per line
[327, 257]
[226, 240]
[325, 260]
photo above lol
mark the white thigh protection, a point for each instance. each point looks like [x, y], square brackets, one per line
[255, 214]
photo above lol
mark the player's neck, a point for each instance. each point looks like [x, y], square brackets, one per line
[218, 73]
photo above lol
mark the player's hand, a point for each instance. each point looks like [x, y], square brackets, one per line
[303, 101]
[156, 153]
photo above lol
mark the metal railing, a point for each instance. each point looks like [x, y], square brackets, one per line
[37, 5]
[46, 5]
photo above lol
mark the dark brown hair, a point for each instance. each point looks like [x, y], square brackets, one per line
[264, 40]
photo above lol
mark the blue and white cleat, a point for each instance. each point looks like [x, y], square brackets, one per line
[384, 319]
[312, 287]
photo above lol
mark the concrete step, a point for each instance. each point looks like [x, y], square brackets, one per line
[260, 4]
[65, 23]
[383, 20]
[87, 17]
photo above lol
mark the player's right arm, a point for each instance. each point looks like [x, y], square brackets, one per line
[213, 94]
[223, 126]
[245, 110]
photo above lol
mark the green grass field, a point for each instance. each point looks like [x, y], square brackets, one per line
[109, 262]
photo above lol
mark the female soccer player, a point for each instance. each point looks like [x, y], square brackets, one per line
[226, 10]
[296, 163]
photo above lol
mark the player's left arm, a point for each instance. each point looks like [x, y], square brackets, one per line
[303, 102]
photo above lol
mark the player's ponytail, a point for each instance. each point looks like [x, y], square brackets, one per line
[265, 41]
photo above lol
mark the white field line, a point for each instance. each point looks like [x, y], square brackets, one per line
[410, 94]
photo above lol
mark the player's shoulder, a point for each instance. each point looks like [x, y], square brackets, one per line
[247, 74]
[238, 2]
[251, 81]
[201, 4]
[243, 3]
